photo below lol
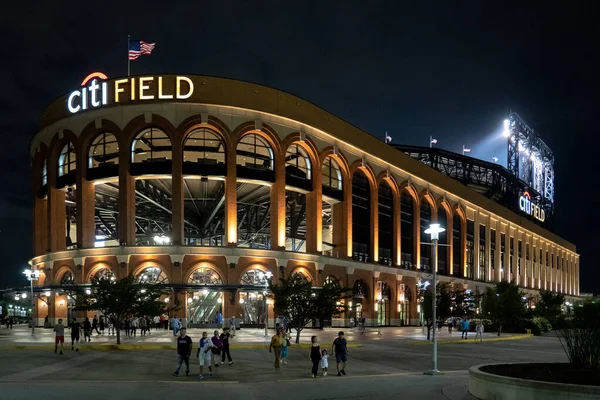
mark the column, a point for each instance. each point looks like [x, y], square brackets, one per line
[476, 266]
[231, 198]
[450, 242]
[177, 200]
[374, 234]
[530, 269]
[40, 225]
[507, 253]
[86, 206]
[314, 218]
[342, 223]
[126, 226]
[57, 213]
[522, 280]
[488, 249]
[497, 266]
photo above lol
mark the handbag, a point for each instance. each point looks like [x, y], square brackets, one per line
[216, 350]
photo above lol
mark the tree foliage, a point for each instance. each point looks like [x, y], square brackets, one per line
[581, 340]
[503, 304]
[295, 298]
[121, 299]
[549, 305]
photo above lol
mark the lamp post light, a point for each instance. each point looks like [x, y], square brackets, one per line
[434, 231]
[267, 276]
[32, 276]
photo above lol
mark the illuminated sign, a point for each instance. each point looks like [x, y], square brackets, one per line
[527, 206]
[94, 91]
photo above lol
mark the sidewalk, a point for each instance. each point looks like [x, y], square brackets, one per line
[20, 337]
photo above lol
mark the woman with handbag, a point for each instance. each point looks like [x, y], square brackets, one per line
[217, 347]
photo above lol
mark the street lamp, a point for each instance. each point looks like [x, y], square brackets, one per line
[267, 276]
[434, 231]
[32, 276]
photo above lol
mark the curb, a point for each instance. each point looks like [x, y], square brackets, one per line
[165, 346]
[459, 341]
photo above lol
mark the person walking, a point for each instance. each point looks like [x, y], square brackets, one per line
[60, 336]
[165, 321]
[217, 348]
[175, 326]
[479, 332]
[204, 355]
[143, 326]
[450, 327]
[95, 325]
[157, 322]
[464, 324]
[315, 355]
[111, 326]
[11, 321]
[75, 330]
[87, 330]
[101, 323]
[275, 346]
[232, 326]
[184, 350]
[340, 349]
[324, 362]
[225, 336]
[284, 347]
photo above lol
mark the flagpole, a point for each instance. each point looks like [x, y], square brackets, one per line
[430, 141]
[128, 60]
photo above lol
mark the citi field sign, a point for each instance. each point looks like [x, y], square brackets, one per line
[527, 206]
[96, 91]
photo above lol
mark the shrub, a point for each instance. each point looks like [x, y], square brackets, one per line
[540, 325]
[581, 341]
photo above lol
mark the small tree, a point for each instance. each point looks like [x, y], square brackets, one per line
[122, 298]
[549, 306]
[581, 340]
[503, 304]
[327, 302]
[294, 298]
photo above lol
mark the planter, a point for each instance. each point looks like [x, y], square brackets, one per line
[488, 386]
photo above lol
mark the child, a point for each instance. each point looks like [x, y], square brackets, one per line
[324, 363]
[315, 355]
[205, 355]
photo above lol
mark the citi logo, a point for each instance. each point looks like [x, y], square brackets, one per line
[93, 95]
[527, 206]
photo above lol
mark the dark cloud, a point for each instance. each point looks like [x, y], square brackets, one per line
[414, 69]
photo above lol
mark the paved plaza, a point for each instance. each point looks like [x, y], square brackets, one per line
[380, 365]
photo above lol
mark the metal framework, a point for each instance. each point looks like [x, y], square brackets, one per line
[491, 180]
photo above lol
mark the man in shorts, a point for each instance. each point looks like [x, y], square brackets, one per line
[204, 354]
[340, 349]
[75, 330]
[60, 336]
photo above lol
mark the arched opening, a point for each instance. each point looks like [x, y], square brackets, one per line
[404, 298]
[103, 274]
[443, 250]
[67, 163]
[255, 161]
[103, 166]
[151, 155]
[360, 291]
[252, 298]
[386, 223]
[471, 249]
[152, 274]
[457, 250]
[298, 180]
[205, 303]
[361, 217]
[406, 230]
[68, 281]
[426, 249]
[333, 194]
[382, 303]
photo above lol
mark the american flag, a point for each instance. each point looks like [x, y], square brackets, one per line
[388, 138]
[139, 47]
[433, 141]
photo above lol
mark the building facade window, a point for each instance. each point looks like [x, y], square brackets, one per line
[151, 145]
[255, 152]
[406, 229]
[482, 256]
[331, 174]
[204, 146]
[104, 150]
[67, 161]
[297, 162]
[470, 249]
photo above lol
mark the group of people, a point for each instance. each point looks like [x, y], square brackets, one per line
[464, 328]
[319, 357]
[210, 352]
[8, 321]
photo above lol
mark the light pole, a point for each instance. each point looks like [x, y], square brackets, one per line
[32, 276]
[267, 276]
[434, 231]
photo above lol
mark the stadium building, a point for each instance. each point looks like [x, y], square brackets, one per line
[208, 184]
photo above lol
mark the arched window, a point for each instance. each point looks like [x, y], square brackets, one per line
[67, 159]
[67, 279]
[103, 274]
[151, 145]
[152, 275]
[205, 276]
[331, 280]
[254, 277]
[45, 173]
[331, 173]
[204, 146]
[297, 162]
[103, 151]
[254, 152]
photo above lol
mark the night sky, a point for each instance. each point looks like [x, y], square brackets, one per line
[414, 71]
